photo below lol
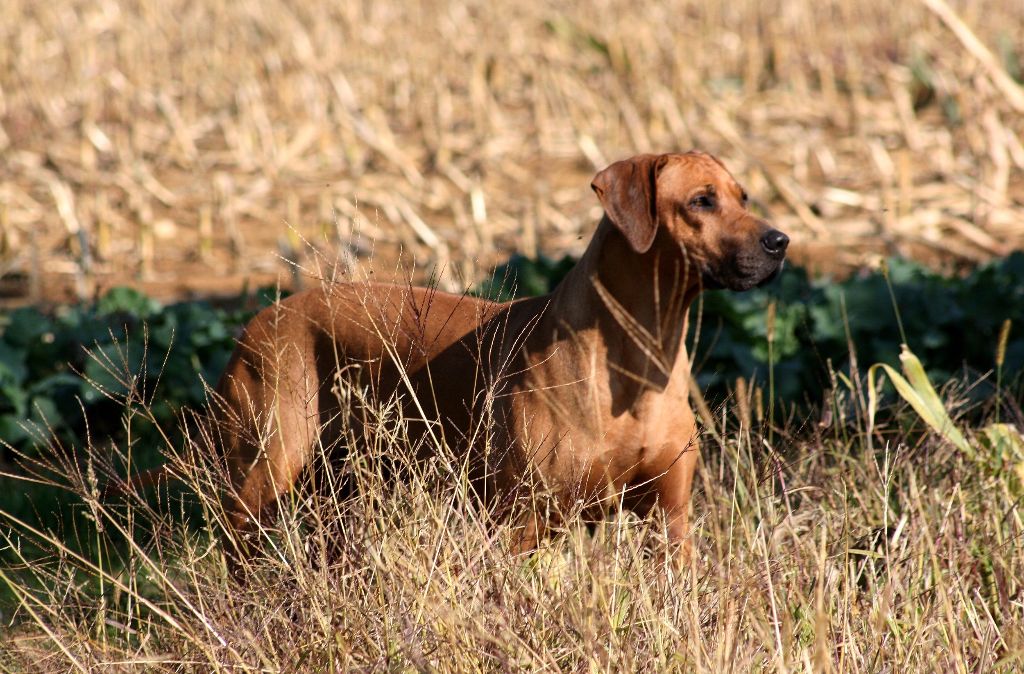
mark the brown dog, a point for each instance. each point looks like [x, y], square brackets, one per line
[584, 390]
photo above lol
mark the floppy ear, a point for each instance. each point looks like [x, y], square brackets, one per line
[628, 191]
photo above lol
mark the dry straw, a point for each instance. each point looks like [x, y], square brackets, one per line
[174, 144]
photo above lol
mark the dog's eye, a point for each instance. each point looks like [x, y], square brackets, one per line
[744, 198]
[703, 202]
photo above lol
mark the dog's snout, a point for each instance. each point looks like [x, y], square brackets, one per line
[774, 242]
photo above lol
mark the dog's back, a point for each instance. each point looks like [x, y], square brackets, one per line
[305, 366]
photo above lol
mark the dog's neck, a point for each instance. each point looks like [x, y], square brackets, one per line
[637, 302]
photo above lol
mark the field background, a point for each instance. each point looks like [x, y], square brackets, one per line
[201, 149]
[193, 148]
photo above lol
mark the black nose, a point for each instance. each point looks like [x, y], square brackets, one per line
[774, 242]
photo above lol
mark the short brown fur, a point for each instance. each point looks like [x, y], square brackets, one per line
[584, 390]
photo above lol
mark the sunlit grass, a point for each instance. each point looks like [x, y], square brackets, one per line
[812, 553]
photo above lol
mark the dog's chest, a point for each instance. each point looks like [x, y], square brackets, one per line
[573, 429]
[659, 418]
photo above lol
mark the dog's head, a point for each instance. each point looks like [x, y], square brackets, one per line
[691, 203]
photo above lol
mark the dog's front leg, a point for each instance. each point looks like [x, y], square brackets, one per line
[673, 488]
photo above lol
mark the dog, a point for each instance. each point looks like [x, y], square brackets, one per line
[584, 391]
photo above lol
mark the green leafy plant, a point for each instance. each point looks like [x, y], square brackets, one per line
[57, 369]
[917, 390]
[182, 345]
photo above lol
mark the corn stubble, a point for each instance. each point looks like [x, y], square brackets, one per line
[188, 147]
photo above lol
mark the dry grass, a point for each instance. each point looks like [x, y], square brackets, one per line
[172, 144]
[826, 557]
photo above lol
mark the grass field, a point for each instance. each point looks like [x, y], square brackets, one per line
[844, 544]
[193, 149]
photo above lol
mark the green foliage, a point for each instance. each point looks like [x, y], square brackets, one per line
[523, 277]
[42, 357]
[915, 388]
[952, 323]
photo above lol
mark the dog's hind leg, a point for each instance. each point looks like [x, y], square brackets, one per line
[269, 446]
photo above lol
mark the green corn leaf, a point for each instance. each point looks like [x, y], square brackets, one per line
[918, 391]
